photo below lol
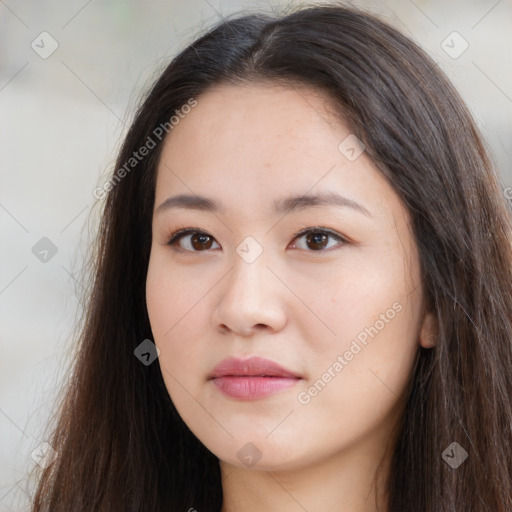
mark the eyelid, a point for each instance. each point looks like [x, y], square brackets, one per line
[328, 231]
[181, 232]
[185, 231]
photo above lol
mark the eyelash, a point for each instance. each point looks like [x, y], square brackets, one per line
[180, 233]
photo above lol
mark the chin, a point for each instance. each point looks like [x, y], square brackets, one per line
[260, 454]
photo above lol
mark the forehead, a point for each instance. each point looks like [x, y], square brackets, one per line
[254, 143]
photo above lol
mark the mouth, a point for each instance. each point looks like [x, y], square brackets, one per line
[252, 387]
[252, 378]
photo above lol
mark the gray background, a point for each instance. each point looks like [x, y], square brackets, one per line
[63, 118]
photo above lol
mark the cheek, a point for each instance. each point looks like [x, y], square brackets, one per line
[356, 382]
[176, 314]
[170, 296]
[160, 299]
[352, 298]
[372, 311]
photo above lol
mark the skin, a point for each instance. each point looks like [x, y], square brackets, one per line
[296, 304]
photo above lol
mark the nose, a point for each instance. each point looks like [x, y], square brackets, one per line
[250, 299]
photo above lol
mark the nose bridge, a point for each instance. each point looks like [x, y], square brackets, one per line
[249, 272]
[249, 295]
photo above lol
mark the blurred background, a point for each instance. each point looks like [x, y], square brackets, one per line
[71, 74]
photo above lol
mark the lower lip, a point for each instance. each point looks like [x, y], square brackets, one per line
[252, 388]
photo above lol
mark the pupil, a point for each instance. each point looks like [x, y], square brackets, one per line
[201, 241]
[318, 239]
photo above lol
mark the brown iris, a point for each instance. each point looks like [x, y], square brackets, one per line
[318, 239]
[201, 240]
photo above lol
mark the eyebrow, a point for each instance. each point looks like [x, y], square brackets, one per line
[280, 206]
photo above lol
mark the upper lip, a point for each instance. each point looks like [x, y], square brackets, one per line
[254, 366]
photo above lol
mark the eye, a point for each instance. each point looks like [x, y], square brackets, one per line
[317, 238]
[199, 240]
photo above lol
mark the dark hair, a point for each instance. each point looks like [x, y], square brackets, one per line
[122, 445]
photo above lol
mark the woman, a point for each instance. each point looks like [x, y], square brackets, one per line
[231, 355]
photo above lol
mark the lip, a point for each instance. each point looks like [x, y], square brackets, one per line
[253, 378]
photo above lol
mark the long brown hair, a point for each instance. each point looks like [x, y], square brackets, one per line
[121, 444]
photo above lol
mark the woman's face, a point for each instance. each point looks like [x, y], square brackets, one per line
[339, 307]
